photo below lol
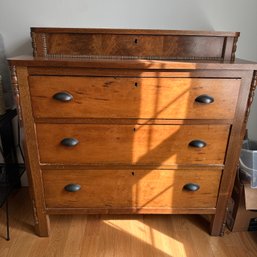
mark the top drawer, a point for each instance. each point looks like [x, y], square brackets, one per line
[133, 45]
[146, 98]
[116, 43]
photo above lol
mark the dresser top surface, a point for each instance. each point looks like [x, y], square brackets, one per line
[134, 31]
[238, 64]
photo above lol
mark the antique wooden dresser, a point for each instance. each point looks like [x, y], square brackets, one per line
[132, 121]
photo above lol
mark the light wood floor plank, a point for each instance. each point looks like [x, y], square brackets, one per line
[118, 236]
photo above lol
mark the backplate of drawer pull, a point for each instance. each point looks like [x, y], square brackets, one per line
[197, 143]
[204, 99]
[70, 142]
[72, 187]
[191, 187]
[63, 96]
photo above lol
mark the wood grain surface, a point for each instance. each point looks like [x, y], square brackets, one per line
[132, 144]
[136, 43]
[146, 98]
[142, 189]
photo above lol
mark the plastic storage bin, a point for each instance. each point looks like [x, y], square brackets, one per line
[248, 162]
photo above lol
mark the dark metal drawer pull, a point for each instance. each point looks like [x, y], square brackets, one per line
[197, 143]
[204, 99]
[191, 187]
[63, 96]
[72, 187]
[70, 142]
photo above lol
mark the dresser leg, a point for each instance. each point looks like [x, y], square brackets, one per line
[42, 226]
[218, 225]
[41, 219]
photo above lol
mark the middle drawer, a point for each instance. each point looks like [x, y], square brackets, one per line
[132, 144]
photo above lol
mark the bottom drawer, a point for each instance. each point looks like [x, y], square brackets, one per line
[130, 189]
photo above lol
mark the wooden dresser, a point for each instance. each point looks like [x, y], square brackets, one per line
[132, 121]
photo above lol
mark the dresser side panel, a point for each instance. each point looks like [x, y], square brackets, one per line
[233, 152]
[31, 154]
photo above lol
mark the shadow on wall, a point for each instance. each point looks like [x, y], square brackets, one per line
[5, 73]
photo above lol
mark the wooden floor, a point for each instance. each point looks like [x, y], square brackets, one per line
[118, 236]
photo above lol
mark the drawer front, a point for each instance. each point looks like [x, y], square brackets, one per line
[128, 144]
[131, 188]
[158, 98]
[129, 45]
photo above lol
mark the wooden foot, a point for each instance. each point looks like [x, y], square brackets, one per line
[217, 225]
[42, 226]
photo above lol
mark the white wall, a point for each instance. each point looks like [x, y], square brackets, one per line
[16, 18]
